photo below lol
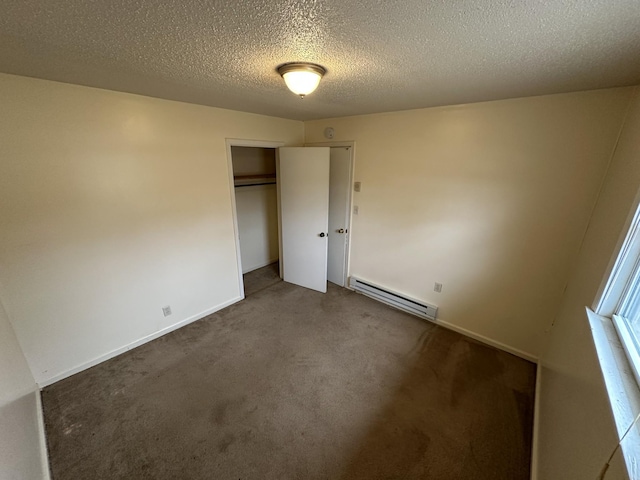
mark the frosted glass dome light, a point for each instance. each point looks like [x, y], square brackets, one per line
[301, 78]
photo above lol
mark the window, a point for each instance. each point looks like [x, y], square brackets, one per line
[621, 296]
[615, 326]
[627, 321]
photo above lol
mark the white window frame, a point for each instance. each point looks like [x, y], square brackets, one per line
[618, 289]
[629, 342]
[612, 292]
[617, 345]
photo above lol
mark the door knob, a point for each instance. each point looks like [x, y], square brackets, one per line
[322, 234]
[341, 230]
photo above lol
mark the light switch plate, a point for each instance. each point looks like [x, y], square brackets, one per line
[357, 186]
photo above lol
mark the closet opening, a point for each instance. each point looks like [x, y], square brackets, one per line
[289, 222]
[256, 202]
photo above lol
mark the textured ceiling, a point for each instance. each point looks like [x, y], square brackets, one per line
[380, 55]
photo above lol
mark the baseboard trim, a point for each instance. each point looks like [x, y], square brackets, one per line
[488, 341]
[44, 454]
[536, 425]
[137, 343]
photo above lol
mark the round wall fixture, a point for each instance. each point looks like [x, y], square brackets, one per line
[302, 78]
[329, 133]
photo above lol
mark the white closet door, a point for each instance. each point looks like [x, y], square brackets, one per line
[339, 188]
[303, 183]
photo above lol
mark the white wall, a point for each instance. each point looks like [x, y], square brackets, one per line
[489, 199]
[22, 449]
[576, 428]
[257, 210]
[111, 206]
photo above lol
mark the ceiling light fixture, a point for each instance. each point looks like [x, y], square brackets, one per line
[301, 78]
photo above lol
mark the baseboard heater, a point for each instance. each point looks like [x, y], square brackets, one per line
[402, 302]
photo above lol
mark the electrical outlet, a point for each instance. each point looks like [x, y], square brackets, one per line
[166, 311]
[355, 209]
[437, 287]
[357, 186]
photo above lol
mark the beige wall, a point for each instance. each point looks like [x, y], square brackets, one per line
[111, 207]
[489, 199]
[576, 429]
[257, 210]
[22, 454]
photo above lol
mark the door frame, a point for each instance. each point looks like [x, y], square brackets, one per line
[352, 169]
[239, 142]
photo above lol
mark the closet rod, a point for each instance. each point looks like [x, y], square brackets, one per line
[255, 184]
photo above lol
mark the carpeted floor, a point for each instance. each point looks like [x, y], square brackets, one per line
[294, 384]
[261, 279]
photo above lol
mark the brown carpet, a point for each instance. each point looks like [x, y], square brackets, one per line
[294, 384]
[261, 279]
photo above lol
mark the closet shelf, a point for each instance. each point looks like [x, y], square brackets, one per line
[251, 180]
